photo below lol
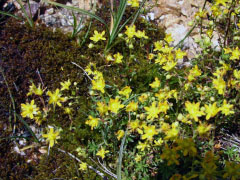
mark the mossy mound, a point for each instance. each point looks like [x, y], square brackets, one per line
[40, 55]
[35, 54]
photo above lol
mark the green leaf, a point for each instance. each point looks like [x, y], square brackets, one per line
[28, 128]
[29, 19]
[11, 15]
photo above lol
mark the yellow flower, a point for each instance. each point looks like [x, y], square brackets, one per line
[236, 74]
[98, 36]
[152, 111]
[184, 119]
[134, 125]
[102, 108]
[203, 129]
[102, 153]
[226, 108]
[159, 142]
[98, 84]
[158, 46]
[65, 85]
[173, 132]
[115, 105]
[131, 31]
[67, 110]
[133, 3]
[221, 2]
[40, 117]
[162, 95]
[34, 90]
[29, 110]
[180, 54]
[150, 56]
[164, 127]
[201, 14]
[93, 122]
[55, 98]
[132, 106]
[195, 72]
[169, 65]
[90, 67]
[155, 83]
[83, 166]
[118, 58]
[219, 84]
[109, 57]
[149, 132]
[51, 136]
[161, 59]
[215, 10]
[126, 91]
[168, 38]
[81, 152]
[120, 134]
[97, 75]
[163, 106]
[138, 158]
[227, 50]
[141, 34]
[235, 54]
[220, 72]
[143, 97]
[142, 146]
[193, 110]
[226, 67]
[211, 110]
[168, 50]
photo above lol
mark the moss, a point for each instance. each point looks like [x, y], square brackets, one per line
[26, 51]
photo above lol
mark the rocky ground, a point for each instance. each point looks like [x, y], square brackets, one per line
[173, 15]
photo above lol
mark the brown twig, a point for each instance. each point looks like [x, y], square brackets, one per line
[230, 10]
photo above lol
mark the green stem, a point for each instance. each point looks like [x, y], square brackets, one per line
[188, 34]
[12, 99]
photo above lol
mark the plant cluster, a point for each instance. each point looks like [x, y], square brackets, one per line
[168, 129]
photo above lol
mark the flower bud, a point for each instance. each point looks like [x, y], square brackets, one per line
[91, 45]
[212, 99]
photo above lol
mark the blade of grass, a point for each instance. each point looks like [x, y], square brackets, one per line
[135, 14]
[29, 19]
[30, 11]
[78, 10]
[11, 15]
[28, 128]
[79, 28]
[86, 35]
[12, 99]
[185, 37]
[14, 137]
[117, 20]
[120, 157]
[138, 11]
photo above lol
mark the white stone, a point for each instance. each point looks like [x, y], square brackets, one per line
[151, 16]
[50, 11]
[178, 32]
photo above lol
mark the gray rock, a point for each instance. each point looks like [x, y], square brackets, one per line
[33, 10]
[63, 22]
[49, 11]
